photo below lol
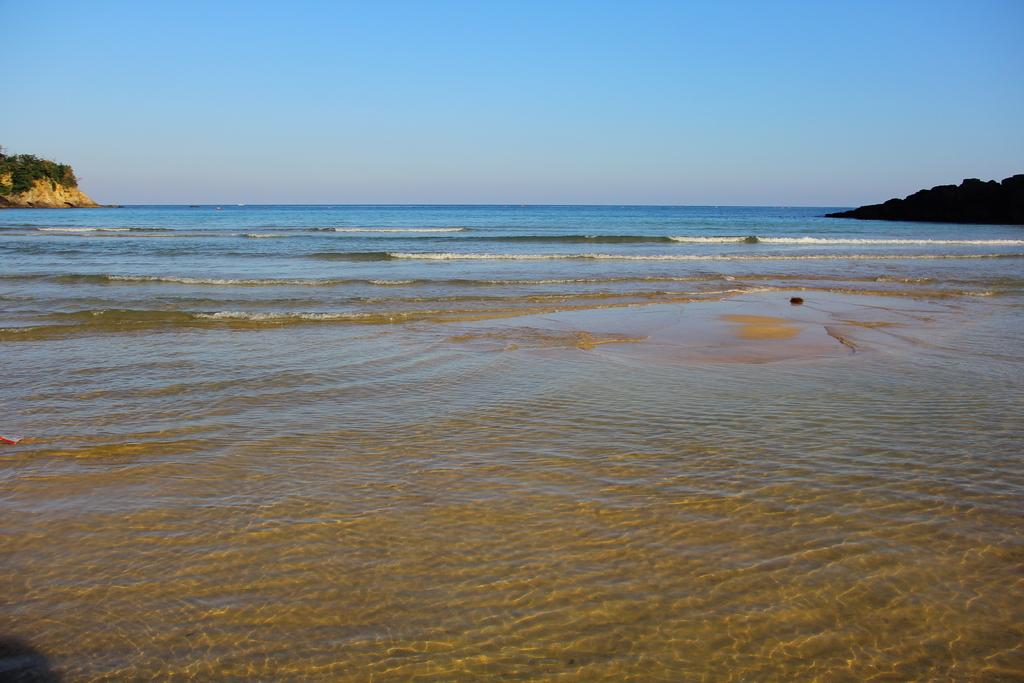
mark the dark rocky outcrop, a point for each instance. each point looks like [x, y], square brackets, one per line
[973, 201]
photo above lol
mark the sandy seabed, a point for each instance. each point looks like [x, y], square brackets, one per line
[728, 490]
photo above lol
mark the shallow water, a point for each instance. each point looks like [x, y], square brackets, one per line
[244, 460]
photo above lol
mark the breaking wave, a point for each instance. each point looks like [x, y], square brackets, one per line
[59, 230]
[579, 239]
[450, 256]
[389, 230]
[104, 279]
[84, 229]
[853, 241]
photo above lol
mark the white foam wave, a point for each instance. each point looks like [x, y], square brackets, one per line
[556, 281]
[686, 239]
[450, 256]
[399, 229]
[905, 280]
[709, 240]
[218, 281]
[261, 235]
[265, 317]
[605, 280]
[741, 290]
[297, 282]
[908, 242]
[84, 229]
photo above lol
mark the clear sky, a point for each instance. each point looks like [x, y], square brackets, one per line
[814, 103]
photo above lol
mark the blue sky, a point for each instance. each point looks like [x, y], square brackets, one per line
[814, 103]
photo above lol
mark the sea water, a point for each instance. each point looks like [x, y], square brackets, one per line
[355, 442]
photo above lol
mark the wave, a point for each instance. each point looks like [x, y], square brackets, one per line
[84, 229]
[388, 230]
[278, 317]
[379, 311]
[184, 280]
[106, 279]
[103, 278]
[115, 321]
[79, 229]
[580, 239]
[737, 239]
[353, 256]
[685, 239]
[748, 239]
[866, 241]
[689, 239]
[450, 256]
[118, 321]
[596, 239]
[564, 286]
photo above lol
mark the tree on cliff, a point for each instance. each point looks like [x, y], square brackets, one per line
[19, 172]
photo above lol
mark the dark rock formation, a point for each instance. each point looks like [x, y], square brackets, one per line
[974, 201]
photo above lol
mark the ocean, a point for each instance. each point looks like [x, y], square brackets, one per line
[514, 442]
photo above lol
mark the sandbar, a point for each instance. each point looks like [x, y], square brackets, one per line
[748, 328]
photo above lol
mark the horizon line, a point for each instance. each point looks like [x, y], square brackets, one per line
[479, 204]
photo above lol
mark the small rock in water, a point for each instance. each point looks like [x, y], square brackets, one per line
[796, 300]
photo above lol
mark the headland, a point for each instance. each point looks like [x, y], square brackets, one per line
[973, 201]
[29, 182]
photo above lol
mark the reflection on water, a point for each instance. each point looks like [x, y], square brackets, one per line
[22, 663]
[520, 471]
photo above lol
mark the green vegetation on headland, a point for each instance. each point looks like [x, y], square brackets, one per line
[19, 172]
[973, 201]
[26, 181]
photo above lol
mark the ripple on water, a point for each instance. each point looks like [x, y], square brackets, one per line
[336, 503]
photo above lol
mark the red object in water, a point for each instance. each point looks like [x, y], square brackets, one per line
[10, 439]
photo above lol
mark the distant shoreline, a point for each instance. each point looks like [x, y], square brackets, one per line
[60, 208]
[446, 205]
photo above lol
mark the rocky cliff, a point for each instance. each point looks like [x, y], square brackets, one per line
[973, 201]
[28, 181]
[45, 194]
